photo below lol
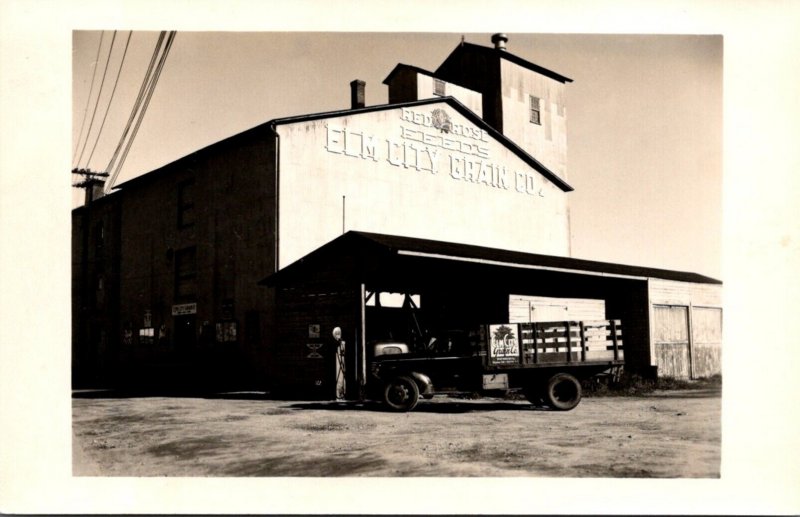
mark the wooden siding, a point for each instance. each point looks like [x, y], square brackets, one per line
[522, 309]
[706, 341]
[670, 292]
[671, 340]
[672, 360]
[304, 363]
[701, 335]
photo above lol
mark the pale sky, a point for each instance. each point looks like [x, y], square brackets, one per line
[644, 117]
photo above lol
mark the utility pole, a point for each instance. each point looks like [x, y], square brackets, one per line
[91, 180]
[92, 183]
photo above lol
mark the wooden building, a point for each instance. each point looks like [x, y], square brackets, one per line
[467, 161]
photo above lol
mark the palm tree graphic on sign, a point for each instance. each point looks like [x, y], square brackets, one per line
[504, 341]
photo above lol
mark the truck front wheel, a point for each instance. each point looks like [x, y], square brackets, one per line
[401, 394]
[563, 392]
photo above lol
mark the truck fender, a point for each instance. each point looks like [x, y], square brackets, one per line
[423, 382]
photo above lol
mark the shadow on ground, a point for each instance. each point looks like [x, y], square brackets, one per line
[450, 406]
[687, 394]
[177, 393]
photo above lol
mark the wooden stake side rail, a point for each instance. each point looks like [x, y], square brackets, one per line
[570, 341]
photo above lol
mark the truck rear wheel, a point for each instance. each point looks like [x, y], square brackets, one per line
[563, 392]
[401, 394]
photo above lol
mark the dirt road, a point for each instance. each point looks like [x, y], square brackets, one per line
[667, 434]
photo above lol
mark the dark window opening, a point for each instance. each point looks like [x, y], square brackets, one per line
[99, 235]
[535, 111]
[252, 327]
[185, 274]
[186, 215]
[226, 332]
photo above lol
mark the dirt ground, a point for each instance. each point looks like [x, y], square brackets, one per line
[669, 434]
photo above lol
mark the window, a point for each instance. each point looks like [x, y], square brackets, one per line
[146, 336]
[185, 204]
[99, 235]
[535, 118]
[185, 274]
[226, 332]
[100, 292]
[438, 87]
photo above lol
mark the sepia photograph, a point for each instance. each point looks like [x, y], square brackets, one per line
[289, 240]
[398, 258]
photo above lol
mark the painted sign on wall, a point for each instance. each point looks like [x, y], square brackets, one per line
[433, 143]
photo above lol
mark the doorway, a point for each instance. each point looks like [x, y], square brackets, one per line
[185, 331]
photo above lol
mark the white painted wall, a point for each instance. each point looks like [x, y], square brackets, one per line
[546, 142]
[522, 309]
[469, 98]
[323, 160]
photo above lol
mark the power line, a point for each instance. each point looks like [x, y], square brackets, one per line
[136, 105]
[99, 94]
[110, 100]
[151, 90]
[88, 99]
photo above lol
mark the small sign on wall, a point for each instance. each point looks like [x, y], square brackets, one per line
[313, 331]
[314, 350]
[184, 308]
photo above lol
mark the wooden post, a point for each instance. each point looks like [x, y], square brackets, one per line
[614, 338]
[362, 346]
[535, 329]
[569, 342]
[583, 342]
[690, 339]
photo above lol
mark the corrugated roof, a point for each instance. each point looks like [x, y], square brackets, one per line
[373, 243]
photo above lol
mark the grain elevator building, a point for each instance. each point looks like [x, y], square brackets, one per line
[209, 271]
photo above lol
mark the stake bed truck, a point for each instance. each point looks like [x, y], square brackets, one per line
[545, 360]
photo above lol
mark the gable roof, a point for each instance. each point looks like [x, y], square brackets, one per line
[456, 105]
[403, 66]
[503, 54]
[270, 126]
[381, 246]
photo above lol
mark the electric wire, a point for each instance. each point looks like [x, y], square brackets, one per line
[146, 103]
[88, 100]
[99, 94]
[151, 90]
[135, 109]
[111, 99]
[141, 107]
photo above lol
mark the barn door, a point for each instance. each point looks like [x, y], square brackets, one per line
[706, 341]
[671, 340]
